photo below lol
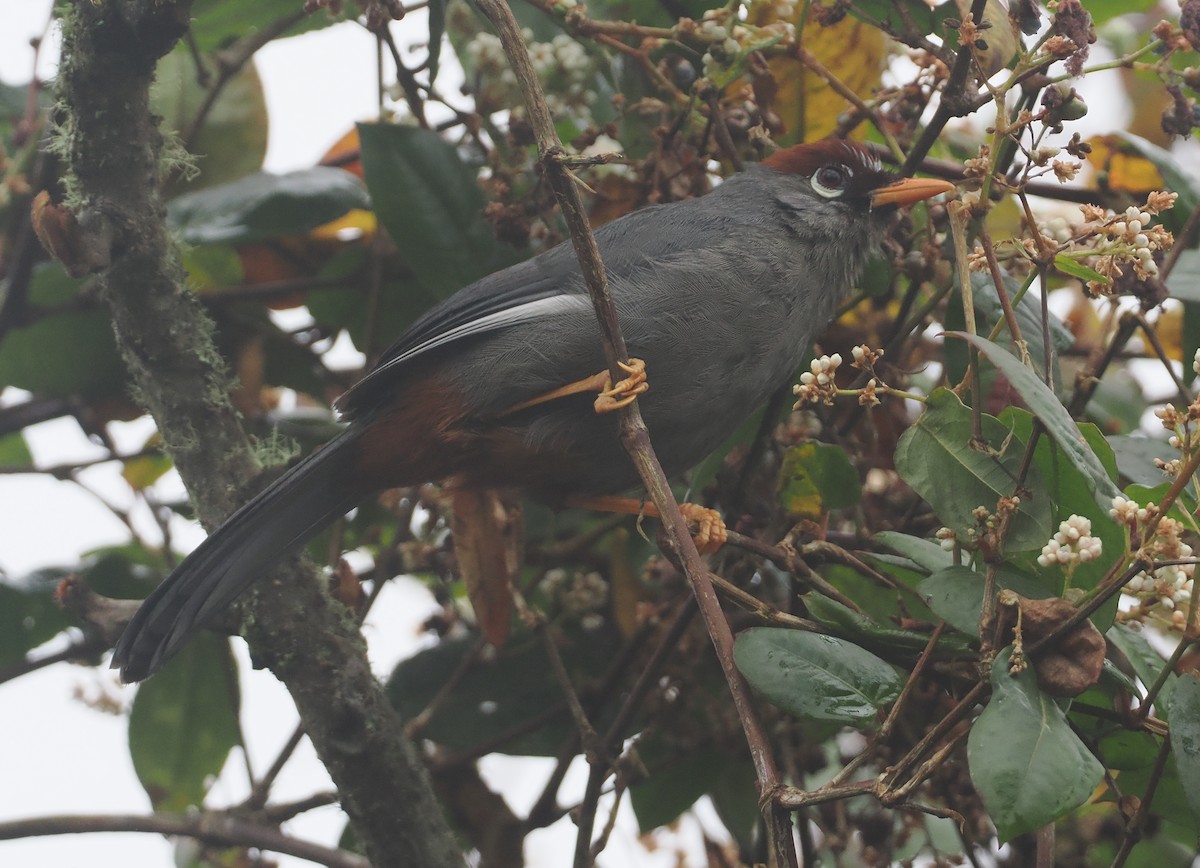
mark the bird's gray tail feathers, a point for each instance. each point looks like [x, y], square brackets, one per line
[285, 515]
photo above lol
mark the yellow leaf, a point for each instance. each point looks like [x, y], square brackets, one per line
[1169, 328]
[627, 593]
[808, 107]
[355, 224]
[1121, 169]
[143, 472]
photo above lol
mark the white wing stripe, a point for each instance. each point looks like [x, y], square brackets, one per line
[531, 310]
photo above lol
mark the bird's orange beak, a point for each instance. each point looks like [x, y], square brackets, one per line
[906, 191]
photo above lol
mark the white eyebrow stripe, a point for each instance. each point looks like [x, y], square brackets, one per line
[527, 312]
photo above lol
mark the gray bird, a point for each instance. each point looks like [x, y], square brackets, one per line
[494, 387]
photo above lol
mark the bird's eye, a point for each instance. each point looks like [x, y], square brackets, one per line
[830, 181]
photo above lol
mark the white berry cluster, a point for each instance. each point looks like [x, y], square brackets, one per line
[1163, 590]
[1125, 239]
[864, 358]
[728, 38]
[817, 384]
[582, 594]
[1073, 543]
[562, 64]
[1184, 434]
[1105, 241]
[721, 44]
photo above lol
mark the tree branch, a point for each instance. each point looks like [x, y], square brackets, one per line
[114, 150]
[217, 829]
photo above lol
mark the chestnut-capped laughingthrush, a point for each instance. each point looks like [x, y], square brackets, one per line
[719, 295]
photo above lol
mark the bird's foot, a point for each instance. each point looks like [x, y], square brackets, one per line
[710, 533]
[625, 392]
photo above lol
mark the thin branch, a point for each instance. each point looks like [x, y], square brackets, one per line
[216, 829]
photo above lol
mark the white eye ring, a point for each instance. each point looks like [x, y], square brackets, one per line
[830, 181]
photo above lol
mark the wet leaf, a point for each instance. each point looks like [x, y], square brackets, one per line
[1026, 762]
[816, 677]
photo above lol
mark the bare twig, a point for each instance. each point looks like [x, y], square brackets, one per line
[218, 829]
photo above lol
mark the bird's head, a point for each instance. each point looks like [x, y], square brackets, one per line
[844, 177]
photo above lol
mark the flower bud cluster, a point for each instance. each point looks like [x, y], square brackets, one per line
[1073, 543]
[865, 357]
[817, 384]
[729, 39]
[1105, 241]
[1163, 590]
[1185, 436]
[581, 594]
[563, 65]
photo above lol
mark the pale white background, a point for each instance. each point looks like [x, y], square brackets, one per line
[57, 754]
[60, 756]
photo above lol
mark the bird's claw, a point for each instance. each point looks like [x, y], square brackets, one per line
[625, 392]
[711, 532]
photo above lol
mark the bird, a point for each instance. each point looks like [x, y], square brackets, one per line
[498, 385]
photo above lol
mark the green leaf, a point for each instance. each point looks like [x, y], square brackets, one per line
[1185, 737]
[922, 552]
[955, 594]
[1118, 403]
[1025, 761]
[262, 206]
[816, 478]
[1135, 458]
[497, 694]
[897, 13]
[212, 267]
[1103, 11]
[1170, 800]
[1191, 334]
[1067, 265]
[1147, 663]
[232, 141]
[937, 458]
[1053, 415]
[989, 311]
[14, 451]
[184, 722]
[217, 23]
[365, 311]
[872, 635]
[431, 205]
[735, 798]
[65, 354]
[1124, 750]
[29, 614]
[1184, 280]
[437, 29]
[676, 780]
[817, 677]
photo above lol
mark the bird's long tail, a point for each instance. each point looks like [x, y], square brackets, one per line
[288, 513]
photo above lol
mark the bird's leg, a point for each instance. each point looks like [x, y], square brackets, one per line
[609, 397]
[710, 531]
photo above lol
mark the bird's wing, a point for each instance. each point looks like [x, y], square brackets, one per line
[522, 293]
[549, 285]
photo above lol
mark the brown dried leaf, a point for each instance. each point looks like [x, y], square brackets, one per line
[487, 529]
[1073, 664]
